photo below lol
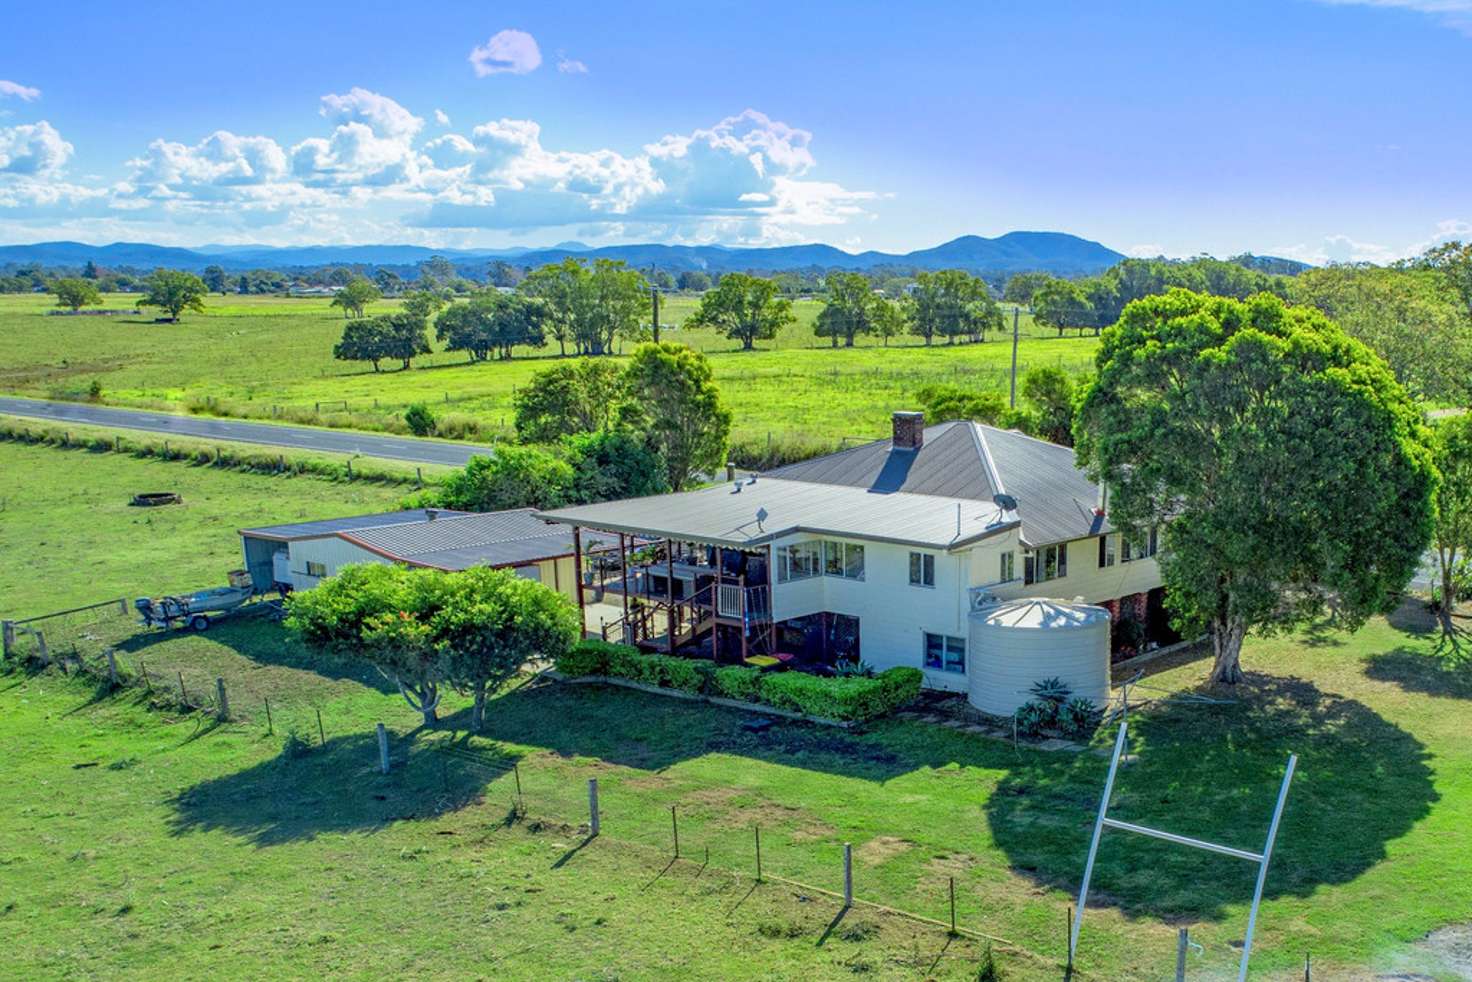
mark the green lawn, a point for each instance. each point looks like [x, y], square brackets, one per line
[70, 537]
[271, 357]
[212, 843]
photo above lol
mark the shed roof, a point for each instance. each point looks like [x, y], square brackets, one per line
[331, 526]
[498, 538]
[1055, 498]
[726, 514]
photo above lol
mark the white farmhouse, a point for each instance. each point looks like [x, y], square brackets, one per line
[897, 552]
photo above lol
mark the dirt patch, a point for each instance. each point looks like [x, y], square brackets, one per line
[951, 863]
[733, 808]
[1452, 946]
[881, 848]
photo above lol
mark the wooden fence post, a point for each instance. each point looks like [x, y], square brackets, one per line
[593, 824]
[7, 637]
[143, 671]
[222, 711]
[758, 830]
[1181, 942]
[183, 693]
[41, 647]
[321, 733]
[112, 669]
[270, 729]
[953, 906]
[675, 828]
[848, 875]
[382, 749]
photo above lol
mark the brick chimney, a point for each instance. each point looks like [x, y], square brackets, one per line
[909, 431]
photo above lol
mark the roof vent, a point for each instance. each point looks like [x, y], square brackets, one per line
[431, 514]
[909, 431]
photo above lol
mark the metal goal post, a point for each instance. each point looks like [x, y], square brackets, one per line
[1105, 822]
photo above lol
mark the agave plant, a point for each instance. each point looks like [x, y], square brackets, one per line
[1053, 690]
[1079, 717]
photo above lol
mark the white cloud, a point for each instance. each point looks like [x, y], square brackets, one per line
[441, 117]
[24, 93]
[571, 66]
[1456, 14]
[371, 174]
[1346, 249]
[510, 51]
[32, 149]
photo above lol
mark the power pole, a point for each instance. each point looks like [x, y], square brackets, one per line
[654, 291]
[1015, 315]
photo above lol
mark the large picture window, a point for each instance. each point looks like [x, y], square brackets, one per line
[843, 559]
[1142, 549]
[1047, 563]
[944, 653]
[799, 561]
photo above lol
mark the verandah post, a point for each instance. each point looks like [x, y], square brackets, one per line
[577, 572]
[669, 590]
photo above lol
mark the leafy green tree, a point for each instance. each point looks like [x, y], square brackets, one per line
[889, 319]
[362, 340]
[612, 464]
[1454, 261]
[90, 271]
[492, 321]
[423, 304]
[173, 291]
[1051, 393]
[1453, 533]
[1286, 468]
[515, 477]
[850, 310]
[502, 273]
[490, 623]
[664, 279]
[744, 308]
[944, 302]
[75, 293]
[1407, 316]
[388, 282]
[379, 613]
[435, 272]
[403, 336]
[1061, 304]
[694, 281]
[215, 279]
[1020, 287]
[563, 286]
[355, 297]
[576, 397]
[672, 398]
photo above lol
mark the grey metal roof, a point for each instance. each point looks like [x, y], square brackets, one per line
[723, 515]
[460, 541]
[1055, 498]
[331, 526]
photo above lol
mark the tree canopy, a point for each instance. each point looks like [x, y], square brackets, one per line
[744, 308]
[492, 321]
[355, 297]
[672, 398]
[951, 303]
[570, 397]
[852, 309]
[589, 305]
[1288, 471]
[1453, 535]
[74, 293]
[399, 336]
[173, 291]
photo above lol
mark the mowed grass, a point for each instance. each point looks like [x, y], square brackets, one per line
[69, 536]
[192, 839]
[270, 357]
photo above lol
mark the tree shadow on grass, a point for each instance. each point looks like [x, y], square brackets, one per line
[1446, 673]
[265, 643]
[1213, 772]
[309, 790]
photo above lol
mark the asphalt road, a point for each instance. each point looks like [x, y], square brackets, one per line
[409, 449]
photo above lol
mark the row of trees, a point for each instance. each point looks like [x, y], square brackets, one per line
[172, 291]
[427, 630]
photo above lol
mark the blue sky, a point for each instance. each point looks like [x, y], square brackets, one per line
[1321, 130]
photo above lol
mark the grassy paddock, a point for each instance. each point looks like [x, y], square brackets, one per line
[271, 358]
[69, 535]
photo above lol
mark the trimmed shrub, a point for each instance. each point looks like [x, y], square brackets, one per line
[851, 698]
[737, 682]
[680, 673]
[901, 685]
[587, 658]
[624, 662]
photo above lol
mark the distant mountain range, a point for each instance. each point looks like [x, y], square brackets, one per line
[1053, 252]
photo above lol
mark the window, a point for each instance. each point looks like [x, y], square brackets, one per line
[922, 569]
[1047, 563]
[318, 570]
[843, 559]
[1106, 551]
[944, 653]
[1143, 549]
[799, 561]
[1008, 572]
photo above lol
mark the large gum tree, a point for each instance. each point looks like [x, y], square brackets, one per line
[1289, 472]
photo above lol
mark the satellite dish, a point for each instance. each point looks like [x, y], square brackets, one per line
[761, 516]
[1005, 502]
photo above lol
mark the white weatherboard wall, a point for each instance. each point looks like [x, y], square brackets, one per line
[893, 615]
[1019, 642]
[1085, 579]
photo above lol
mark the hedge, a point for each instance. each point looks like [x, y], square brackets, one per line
[848, 698]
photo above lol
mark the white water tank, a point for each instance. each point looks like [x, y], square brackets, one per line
[1014, 643]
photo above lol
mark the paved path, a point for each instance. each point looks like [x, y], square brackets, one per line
[410, 449]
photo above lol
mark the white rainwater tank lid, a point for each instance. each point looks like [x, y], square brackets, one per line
[1015, 643]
